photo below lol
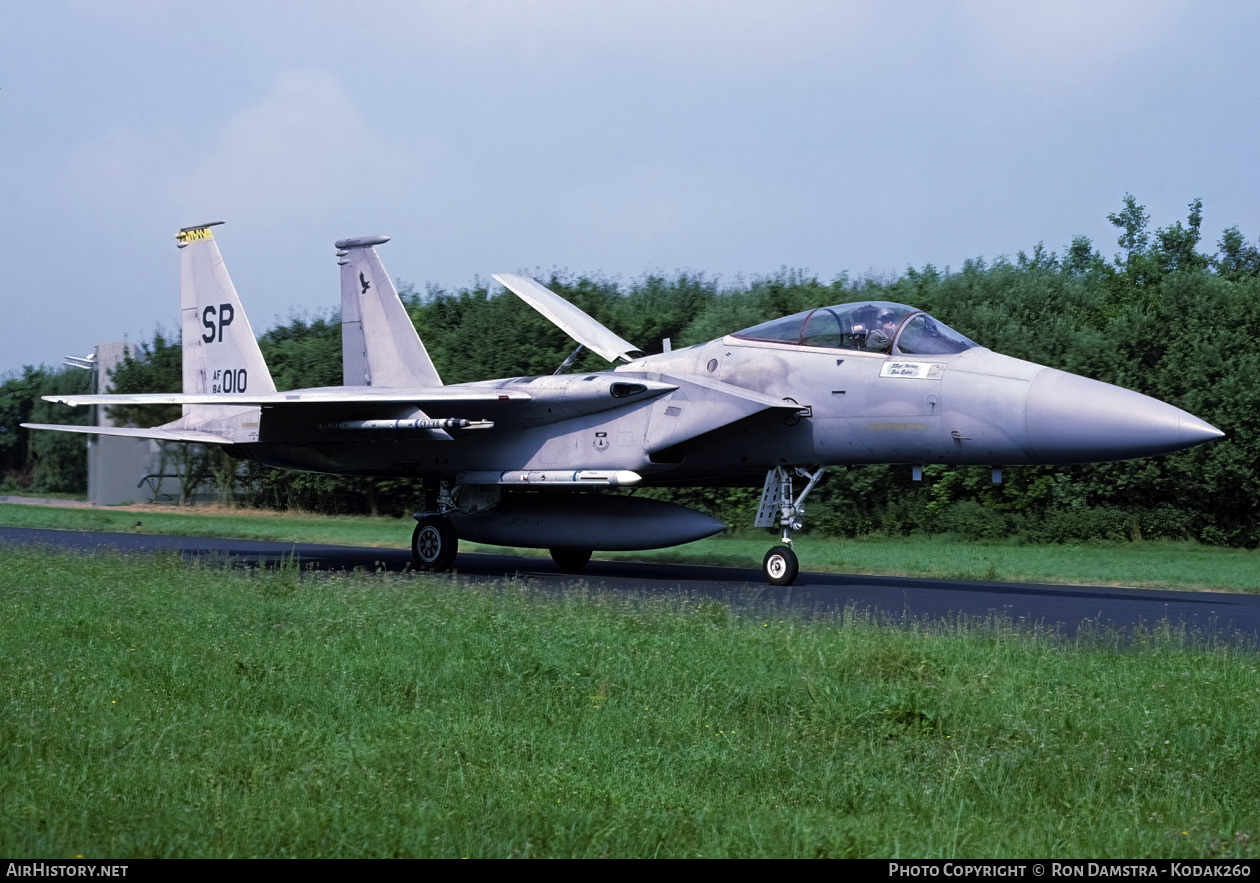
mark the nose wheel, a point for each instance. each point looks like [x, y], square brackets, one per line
[433, 544]
[780, 566]
[779, 508]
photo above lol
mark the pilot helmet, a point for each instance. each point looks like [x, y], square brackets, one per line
[864, 318]
[885, 316]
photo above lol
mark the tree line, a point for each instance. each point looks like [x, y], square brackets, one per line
[1163, 316]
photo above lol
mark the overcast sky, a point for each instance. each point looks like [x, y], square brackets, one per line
[725, 137]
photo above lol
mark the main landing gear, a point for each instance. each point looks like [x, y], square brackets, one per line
[434, 542]
[778, 507]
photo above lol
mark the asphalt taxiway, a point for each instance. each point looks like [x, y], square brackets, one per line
[1234, 617]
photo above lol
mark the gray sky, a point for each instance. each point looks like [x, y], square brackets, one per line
[726, 137]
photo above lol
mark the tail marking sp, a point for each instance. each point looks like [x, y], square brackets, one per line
[226, 315]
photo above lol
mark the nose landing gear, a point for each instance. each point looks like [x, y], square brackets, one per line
[779, 507]
[780, 566]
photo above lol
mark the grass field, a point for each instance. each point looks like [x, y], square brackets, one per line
[1182, 565]
[156, 708]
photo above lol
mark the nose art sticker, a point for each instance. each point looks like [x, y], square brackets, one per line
[913, 370]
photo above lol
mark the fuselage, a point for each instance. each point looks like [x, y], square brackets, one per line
[855, 407]
[973, 407]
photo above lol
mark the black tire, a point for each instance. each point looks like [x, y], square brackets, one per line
[780, 566]
[434, 544]
[570, 560]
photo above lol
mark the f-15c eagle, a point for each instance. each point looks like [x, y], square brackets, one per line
[528, 461]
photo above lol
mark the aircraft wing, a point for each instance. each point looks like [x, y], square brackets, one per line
[683, 408]
[175, 435]
[333, 396]
[569, 319]
[508, 404]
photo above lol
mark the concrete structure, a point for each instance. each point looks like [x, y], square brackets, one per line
[120, 469]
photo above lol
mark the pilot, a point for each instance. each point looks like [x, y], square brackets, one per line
[879, 339]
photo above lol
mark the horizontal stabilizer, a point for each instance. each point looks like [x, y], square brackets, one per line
[569, 319]
[157, 433]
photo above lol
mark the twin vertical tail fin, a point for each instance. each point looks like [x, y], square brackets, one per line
[221, 354]
[221, 357]
[379, 345]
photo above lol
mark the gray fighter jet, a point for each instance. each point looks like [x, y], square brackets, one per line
[530, 461]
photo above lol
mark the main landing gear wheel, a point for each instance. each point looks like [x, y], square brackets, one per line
[433, 545]
[780, 566]
[570, 560]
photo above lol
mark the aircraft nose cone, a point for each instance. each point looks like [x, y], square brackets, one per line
[1074, 419]
[1195, 431]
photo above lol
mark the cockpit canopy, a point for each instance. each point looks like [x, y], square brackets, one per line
[873, 326]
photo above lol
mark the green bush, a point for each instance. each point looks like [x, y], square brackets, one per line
[975, 521]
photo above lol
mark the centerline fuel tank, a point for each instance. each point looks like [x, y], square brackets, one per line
[601, 522]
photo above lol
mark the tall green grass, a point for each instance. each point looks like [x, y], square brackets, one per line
[153, 708]
[216, 521]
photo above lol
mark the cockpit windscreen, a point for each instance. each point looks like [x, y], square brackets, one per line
[924, 336]
[870, 326]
